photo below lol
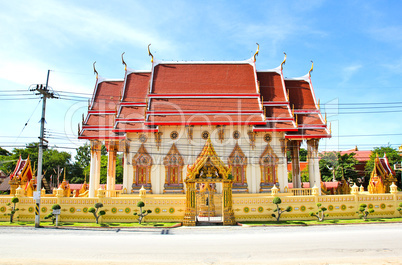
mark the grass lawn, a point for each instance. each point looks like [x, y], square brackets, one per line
[71, 224]
[325, 222]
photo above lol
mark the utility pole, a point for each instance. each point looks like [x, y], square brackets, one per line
[44, 91]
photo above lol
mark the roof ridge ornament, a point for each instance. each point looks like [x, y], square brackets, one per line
[256, 53]
[284, 60]
[311, 70]
[150, 54]
[123, 62]
[95, 72]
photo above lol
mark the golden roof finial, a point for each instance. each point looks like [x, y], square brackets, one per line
[312, 66]
[64, 178]
[95, 72]
[284, 60]
[326, 118]
[150, 54]
[123, 62]
[256, 53]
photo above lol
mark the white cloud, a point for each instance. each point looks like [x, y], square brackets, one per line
[349, 71]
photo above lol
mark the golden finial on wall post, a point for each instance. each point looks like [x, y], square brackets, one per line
[150, 54]
[256, 53]
[123, 62]
[284, 60]
[95, 72]
[311, 69]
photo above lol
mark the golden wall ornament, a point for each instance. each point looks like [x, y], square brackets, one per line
[251, 136]
[189, 129]
[158, 139]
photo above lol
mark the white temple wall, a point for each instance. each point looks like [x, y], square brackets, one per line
[190, 149]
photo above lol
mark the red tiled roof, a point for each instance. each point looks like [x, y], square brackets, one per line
[203, 78]
[361, 156]
[271, 87]
[198, 93]
[308, 116]
[300, 95]
[137, 85]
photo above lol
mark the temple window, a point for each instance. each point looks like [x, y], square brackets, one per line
[142, 163]
[268, 165]
[173, 167]
[238, 163]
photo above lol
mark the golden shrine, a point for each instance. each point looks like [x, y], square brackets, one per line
[382, 176]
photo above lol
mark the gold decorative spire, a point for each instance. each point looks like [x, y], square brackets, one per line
[150, 54]
[284, 60]
[123, 62]
[256, 53]
[312, 66]
[95, 72]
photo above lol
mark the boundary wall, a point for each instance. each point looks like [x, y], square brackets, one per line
[171, 208]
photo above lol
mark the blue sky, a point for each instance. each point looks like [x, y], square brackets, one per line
[355, 45]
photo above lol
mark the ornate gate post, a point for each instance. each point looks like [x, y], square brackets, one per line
[228, 214]
[189, 215]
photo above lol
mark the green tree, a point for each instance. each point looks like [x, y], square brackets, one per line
[340, 165]
[81, 167]
[392, 155]
[96, 211]
[13, 208]
[4, 152]
[364, 211]
[52, 216]
[279, 210]
[399, 209]
[302, 155]
[142, 213]
[320, 214]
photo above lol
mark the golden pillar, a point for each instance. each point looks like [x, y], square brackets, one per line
[228, 214]
[189, 215]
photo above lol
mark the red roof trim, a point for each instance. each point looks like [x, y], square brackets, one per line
[101, 112]
[129, 120]
[135, 130]
[192, 112]
[227, 95]
[142, 104]
[206, 123]
[101, 137]
[312, 126]
[275, 103]
[313, 111]
[96, 127]
[274, 130]
[307, 136]
[279, 119]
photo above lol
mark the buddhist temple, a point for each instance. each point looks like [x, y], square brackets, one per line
[22, 176]
[382, 176]
[166, 119]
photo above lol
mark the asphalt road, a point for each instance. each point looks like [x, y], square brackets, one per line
[343, 244]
